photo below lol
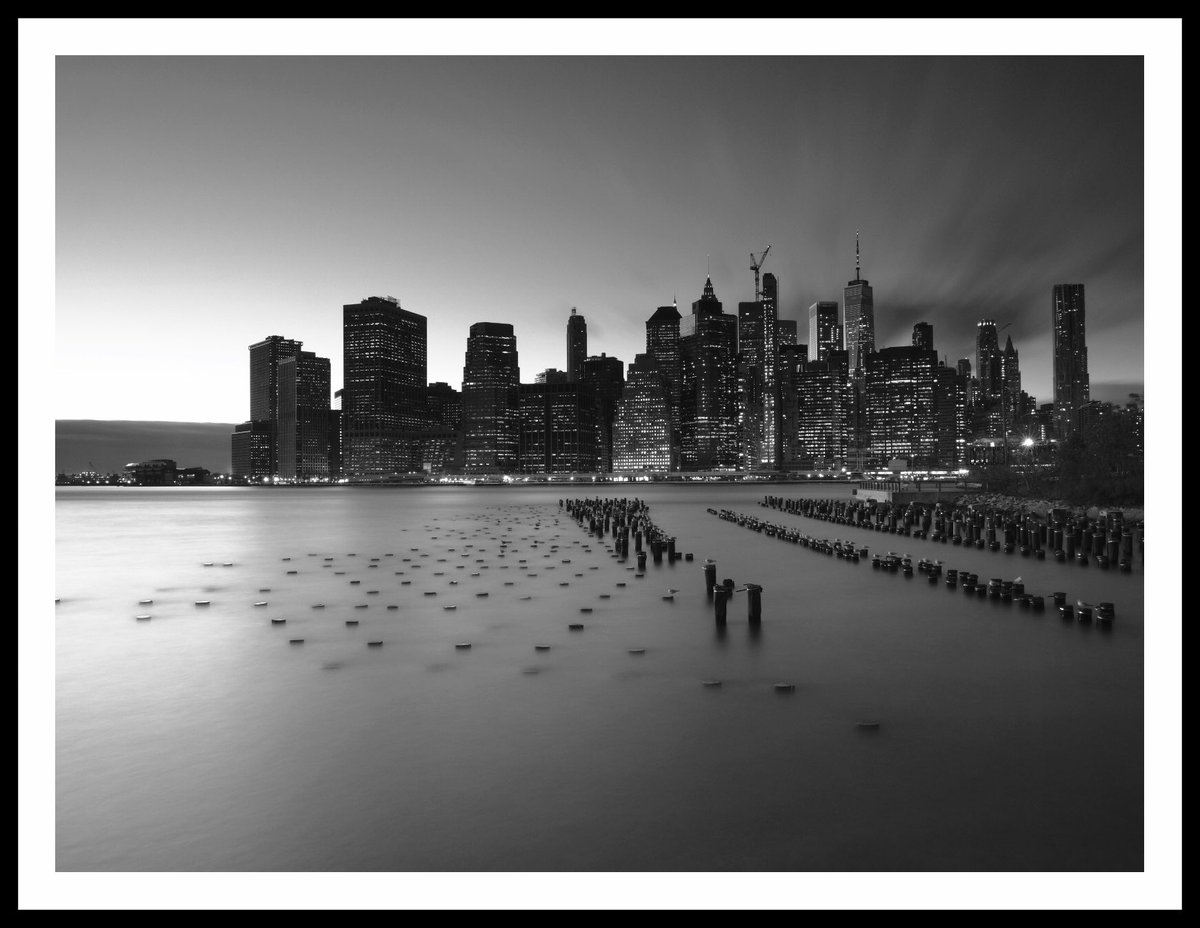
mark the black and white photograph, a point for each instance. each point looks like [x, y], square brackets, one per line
[600, 464]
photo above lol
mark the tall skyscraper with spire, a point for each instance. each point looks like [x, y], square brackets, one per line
[858, 315]
[576, 345]
[1072, 386]
[708, 378]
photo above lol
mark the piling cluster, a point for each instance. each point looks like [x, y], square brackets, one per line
[624, 520]
[1006, 591]
[1105, 541]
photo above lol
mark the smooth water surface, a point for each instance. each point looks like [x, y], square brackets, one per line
[203, 739]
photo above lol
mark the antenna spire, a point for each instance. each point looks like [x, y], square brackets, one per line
[857, 261]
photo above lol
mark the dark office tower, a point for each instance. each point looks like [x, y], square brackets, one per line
[824, 332]
[576, 345]
[757, 361]
[1010, 382]
[491, 414]
[923, 336]
[304, 417]
[441, 445]
[858, 323]
[950, 416]
[552, 375]
[901, 405]
[642, 425]
[264, 389]
[1072, 387]
[662, 347]
[820, 408]
[987, 360]
[606, 376]
[557, 428]
[791, 358]
[251, 449]
[383, 400]
[708, 374]
[787, 333]
[444, 404]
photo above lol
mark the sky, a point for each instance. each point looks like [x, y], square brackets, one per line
[203, 203]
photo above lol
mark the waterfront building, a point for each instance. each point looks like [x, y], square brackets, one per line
[1072, 386]
[383, 398]
[817, 412]
[264, 391]
[606, 376]
[642, 426]
[304, 417]
[662, 349]
[708, 386]
[490, 401]
[251, 449]
[900, 404]
[558, 428]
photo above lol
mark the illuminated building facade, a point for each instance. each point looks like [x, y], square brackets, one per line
[1072, 386]
[490, 401]
[304, 416]
[642, 425]
[558, 428]
[824, 330]
[383, 397]
[708, 375]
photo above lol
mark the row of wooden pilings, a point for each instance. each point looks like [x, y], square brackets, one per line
[1006, 591]
[625, 520]
[622, 518]
[1107, 542]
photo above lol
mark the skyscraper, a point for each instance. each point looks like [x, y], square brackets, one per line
[987, 360]
[1072, 387]
[824, 332]
[606, 376]
[858, 323]
[708, 386]
[901, 404]
[787, 333]
[490, 401]
[641, 430]
[304, 416]
[662, 349]
[922, 336]
[383, 399]
[758, 405]
[558, 429]
[264, 391]
[576, 345]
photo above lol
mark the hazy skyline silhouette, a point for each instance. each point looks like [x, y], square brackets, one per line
[205, 203]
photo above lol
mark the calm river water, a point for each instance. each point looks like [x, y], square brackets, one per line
[202, 739]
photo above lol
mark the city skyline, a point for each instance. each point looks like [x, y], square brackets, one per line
[246, 195]
[175, 209]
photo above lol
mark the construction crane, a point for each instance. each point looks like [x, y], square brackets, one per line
[755, 264]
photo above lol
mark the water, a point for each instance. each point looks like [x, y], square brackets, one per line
[201, 740]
